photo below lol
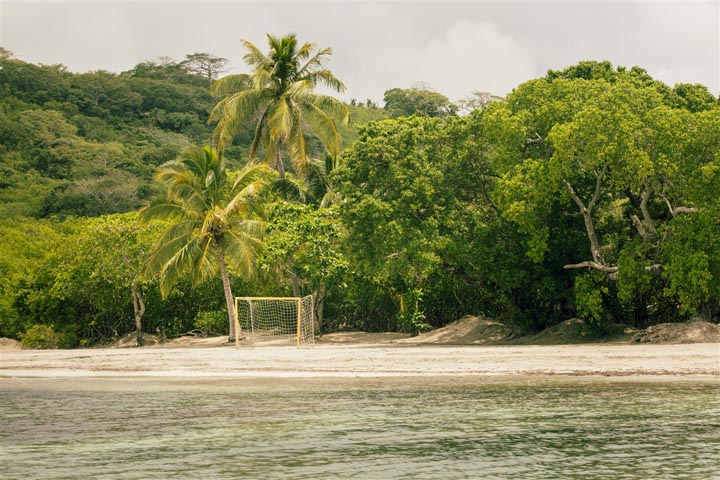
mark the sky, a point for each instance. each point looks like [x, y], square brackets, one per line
[455, 47]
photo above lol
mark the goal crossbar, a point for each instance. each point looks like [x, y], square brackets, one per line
[275, 320]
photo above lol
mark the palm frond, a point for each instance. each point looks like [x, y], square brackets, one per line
[299, 90]
[327, 78]
[172, 240]
[332, 106]
[296, 143]
[280, 119]
[231, 84]
[249, 182]
[259, 135]
[254, 57]
[242, 246]
[305, 51]
[290, 188]
[324, 127]
[315, 63]
[160, 207]
[190, 254]
[205, 265]
[232, 111]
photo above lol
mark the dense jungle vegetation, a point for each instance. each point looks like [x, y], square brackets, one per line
[591, 192]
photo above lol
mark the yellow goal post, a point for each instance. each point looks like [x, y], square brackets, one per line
[275, 320]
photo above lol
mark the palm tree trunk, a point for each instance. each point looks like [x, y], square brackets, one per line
[139, 310]
[228, 294]
[279, 163]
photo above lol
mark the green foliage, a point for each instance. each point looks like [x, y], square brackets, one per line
[40, 337]
[591, 193]
[303, 243]
[589, 293]
[278, 98]
[693, 264]
[25, 245]
[73, 144]
[620, 151]
[411, 319]
[359, 115]
[214, 222]
[417, 101]
[211, 323]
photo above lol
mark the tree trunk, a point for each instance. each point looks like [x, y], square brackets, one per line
[586, 212]
[279, 163]
[319, 296]
[644, 197]
[228, 294]
[294, 279]
[139, 310]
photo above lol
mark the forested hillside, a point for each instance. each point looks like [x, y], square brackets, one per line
[592, 192]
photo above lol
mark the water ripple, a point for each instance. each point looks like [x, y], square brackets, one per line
[366, 429]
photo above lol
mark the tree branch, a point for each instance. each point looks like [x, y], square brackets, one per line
[598, 186]
[676, 210]
[639, 226]
[587, 214]
[591, 264]
[643, 207]
[574, 196]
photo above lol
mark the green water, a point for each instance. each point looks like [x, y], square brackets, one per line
[426, 428]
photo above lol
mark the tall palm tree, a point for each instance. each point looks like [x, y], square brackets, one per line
[214, 221]
[278, 97]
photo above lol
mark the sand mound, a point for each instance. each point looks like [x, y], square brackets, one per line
[469, 330]
[9, 344]
[695, 331]
[197, 341]
[572, 331]
[130, 340]
[361, 337]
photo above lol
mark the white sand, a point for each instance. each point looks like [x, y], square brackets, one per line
[640, 361]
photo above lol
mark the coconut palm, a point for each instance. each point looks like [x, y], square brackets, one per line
[278, 97]
[214, 222]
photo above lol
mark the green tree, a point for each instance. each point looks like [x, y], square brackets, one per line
[391, 181]
[418, 101]
[303, 246]
[278, 97]
[24, 246]
[102, 268]
[215, 222]
[204, 64]
[622, 152]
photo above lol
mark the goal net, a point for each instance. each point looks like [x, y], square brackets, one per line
[275, 320]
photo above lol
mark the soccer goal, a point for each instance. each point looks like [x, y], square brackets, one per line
[275, 320]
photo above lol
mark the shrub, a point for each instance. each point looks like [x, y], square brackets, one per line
[212, 323]
[40, 336]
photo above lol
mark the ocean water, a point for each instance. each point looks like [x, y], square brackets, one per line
[330, 428]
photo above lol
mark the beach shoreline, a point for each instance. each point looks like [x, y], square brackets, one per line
[701, 361]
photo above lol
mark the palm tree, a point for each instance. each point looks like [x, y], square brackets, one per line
[278, 98]
[214, 222]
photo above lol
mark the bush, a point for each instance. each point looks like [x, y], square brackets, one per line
[212, 323]
[40, 337]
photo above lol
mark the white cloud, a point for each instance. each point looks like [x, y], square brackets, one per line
[688, 73]
[474, 56]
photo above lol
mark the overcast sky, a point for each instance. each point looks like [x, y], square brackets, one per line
[456, 47]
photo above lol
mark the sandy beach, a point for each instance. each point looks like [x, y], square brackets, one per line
[616, 360]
